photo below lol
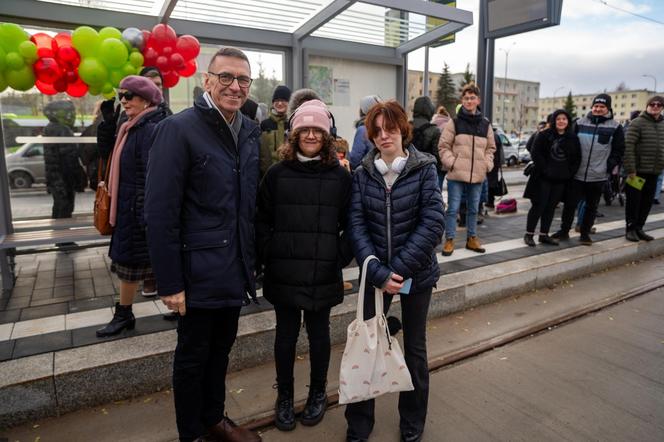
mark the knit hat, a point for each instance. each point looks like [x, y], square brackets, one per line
[656, 98]
[367, 102]
[311, 113]
[300, 96]
[604, 99]
[249, 109]
[143, 87]
[281, 92]
[149, 69]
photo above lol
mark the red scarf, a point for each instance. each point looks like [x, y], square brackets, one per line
[114, 174]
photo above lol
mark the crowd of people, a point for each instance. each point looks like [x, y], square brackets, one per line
[207, 201]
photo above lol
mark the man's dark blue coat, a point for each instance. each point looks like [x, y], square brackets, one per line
[416, 224]
[200, 207]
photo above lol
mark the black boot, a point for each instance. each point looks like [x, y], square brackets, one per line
[122, 318]
[528, 239]
[631, 235]
[544, 238]
[643, 235]
[284, 413]
[314, 410]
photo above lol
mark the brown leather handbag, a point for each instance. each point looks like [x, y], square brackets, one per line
[102, 209]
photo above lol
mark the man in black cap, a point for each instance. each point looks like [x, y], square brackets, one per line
[602, 148]
[274, 128]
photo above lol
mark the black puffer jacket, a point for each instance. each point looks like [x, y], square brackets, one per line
[400, 226]
[302, 212]
[426, 134]
[128, 243]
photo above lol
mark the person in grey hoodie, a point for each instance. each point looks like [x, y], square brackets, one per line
[426, 134]
[602, 147]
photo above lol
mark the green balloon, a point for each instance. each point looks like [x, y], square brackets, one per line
[14, 61]
[3, 82]
[93, 72]
[94, 90]
[110, 32]
[2, 59]
[116, 77]
[113, 52]
[136, 59]
[21, 79]
[128, 69]
[29, 51]
[11, 35]
[86, 41]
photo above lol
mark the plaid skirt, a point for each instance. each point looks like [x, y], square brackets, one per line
[132, 273]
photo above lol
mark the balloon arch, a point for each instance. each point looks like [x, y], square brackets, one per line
[87, 61]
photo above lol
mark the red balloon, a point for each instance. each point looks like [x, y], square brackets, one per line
[45, 88]
[77, 89]
[44, 45]
[146, 36]
[163, 35]
[162, 63]
[189, 68]
[168, 50]
[188, 46]
[71, 76]
[60, 84]
[47, 70]
[68, 54]
[176, 61]
[171, 78]
[150, 56]
[62, 40]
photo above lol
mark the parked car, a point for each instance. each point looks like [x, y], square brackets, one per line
[25, 167]
[510, 151]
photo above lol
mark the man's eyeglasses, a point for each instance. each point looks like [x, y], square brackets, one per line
[126, 95]
[656, 104]
[227, 79]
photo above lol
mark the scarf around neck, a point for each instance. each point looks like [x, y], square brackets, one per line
[114, 174]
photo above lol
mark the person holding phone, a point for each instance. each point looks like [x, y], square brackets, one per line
[644, 159]
[396, 214]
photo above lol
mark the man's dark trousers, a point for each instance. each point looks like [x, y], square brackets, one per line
[205, 338]
[591, 192]
[639, 202]
[412, 404]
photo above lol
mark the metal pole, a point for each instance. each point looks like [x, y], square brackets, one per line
[653, 79]
[6, 226]
[425, 77]
[502, 117]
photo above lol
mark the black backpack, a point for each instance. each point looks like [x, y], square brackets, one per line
[418, 137]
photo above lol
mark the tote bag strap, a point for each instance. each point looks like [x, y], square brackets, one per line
[360, 293]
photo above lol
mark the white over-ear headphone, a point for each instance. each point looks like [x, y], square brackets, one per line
[397, 165]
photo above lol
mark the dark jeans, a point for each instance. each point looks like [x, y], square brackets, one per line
[412, 404]
[639, 202]
[205, 338]
[289, 321]
[543, 205]
[577, 191]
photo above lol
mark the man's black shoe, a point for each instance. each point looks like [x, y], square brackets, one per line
[355, 439]
[546, 239]
[631, 235]
[643, 235]
[528, 239]
[585, 240]
[560, 235]
[411, 437]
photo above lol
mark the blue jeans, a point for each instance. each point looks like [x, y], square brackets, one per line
[658, 189]
[454, 192]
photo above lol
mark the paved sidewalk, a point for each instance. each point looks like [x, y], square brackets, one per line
[250, 394]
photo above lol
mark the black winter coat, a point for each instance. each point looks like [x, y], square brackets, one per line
[128, 243]
[200, 206]
[401, 226]
[302, 212]
[556, 158]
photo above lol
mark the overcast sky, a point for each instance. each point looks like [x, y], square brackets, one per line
[594, 48]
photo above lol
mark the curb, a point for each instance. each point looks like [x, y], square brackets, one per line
[54, 383]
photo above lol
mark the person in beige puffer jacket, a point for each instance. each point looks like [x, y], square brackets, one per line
[467, 147]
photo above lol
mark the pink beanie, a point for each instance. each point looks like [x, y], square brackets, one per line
[311, 113]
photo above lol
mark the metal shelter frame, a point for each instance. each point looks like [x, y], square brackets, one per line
[297, 45]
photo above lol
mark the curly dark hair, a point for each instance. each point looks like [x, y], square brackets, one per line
[288, 150]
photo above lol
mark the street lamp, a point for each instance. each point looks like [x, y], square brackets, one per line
[507, 54]
[653, 79]
[554, 94]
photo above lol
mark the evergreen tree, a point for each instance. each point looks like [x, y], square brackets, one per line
[446, 94]
[569, 105]
[263, 87]
[468, 78]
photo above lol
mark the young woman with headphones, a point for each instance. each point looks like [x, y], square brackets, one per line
[396, 214]
[302, 212]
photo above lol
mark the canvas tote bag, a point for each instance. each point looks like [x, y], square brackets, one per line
[372, 363]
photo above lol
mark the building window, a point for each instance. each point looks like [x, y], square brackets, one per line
[633, 95]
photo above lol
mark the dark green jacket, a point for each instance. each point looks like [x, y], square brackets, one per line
[273, 135]
[644, 145]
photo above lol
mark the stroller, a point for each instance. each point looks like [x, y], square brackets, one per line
[614, 188]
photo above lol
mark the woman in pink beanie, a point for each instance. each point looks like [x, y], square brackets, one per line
[302, 206]
[139, 98]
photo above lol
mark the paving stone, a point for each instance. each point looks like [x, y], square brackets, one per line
[84, 288]
[105, 290]
[17, 292]
[51, 301]
[34, 327]
[6, 349]
[96, 317]
[16, 303]
[10, 316]
[82, 305]
[83, 274]
[44, 293]
[25, 281]
[6, 331]
[45, 343]
[63, 291]
[43, 311]
[63, 281]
